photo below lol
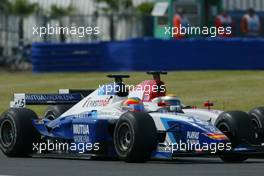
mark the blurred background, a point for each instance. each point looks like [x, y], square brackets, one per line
[132, 38]
[129, 31]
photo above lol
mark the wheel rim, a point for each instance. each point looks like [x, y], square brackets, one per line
[7, 133]
[224, 128]
[50, 116]
[256, 126]
[124, 139]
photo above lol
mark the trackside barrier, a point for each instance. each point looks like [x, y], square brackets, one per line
[149, 54]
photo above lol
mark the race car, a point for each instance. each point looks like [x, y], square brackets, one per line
[225, 121]
[131, 125]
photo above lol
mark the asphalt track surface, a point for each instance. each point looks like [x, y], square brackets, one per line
[181, 166]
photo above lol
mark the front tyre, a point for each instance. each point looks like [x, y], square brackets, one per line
[135, 137]
[231, 158]
[257, 115]
[237, 126]
[17, 133]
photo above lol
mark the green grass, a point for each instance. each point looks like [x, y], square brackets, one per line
[229, 90]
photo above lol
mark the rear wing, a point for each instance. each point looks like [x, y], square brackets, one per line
[64, 96]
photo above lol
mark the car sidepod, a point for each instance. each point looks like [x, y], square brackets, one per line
[87, 134]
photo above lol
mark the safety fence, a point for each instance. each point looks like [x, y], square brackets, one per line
[150, 54]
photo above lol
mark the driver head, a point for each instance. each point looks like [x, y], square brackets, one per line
[171, 101]
[133, 104]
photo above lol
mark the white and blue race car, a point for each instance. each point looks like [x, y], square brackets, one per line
[132, 125]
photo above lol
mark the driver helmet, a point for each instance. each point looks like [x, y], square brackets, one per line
[133, 104]
[170, 100]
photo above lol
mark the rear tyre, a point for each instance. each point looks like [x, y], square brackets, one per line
[54, 111]
[135, 137]
[237, 126]
[17, 133]
[257, 115]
